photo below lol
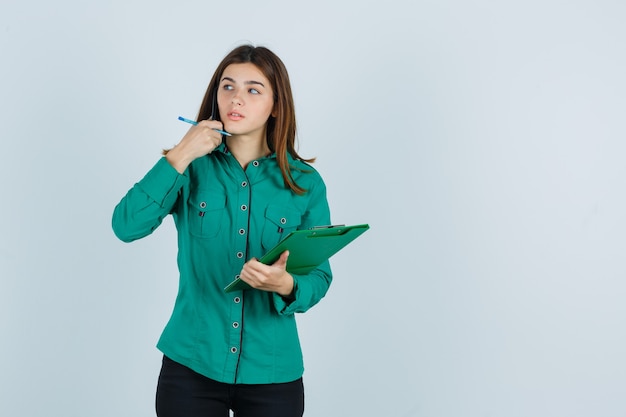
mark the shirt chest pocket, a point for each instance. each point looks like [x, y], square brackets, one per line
[279, 222]
[206, 212]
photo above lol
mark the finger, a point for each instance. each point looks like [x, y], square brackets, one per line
[213, 140]
[215, 137]
[255, 267]
[282, 260]
[211, 124]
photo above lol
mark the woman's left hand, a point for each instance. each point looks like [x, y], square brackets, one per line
[273, 277]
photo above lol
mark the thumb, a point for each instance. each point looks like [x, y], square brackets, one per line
[282, 260]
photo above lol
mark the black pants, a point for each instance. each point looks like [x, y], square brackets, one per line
[182, 392]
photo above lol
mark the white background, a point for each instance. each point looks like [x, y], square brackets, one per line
[483, 141]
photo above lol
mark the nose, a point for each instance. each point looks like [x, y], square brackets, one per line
[236, 100]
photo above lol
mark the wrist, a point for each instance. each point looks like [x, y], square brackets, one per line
[287, 289]
[177, 159]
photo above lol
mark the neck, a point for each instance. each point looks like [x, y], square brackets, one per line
[246, 149]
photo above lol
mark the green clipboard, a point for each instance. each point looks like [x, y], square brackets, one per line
[307, 248]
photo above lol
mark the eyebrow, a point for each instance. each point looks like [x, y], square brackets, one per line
[245, 82]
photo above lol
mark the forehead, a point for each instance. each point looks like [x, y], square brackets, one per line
[245, 72]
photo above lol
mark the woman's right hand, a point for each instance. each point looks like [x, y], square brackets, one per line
[199, 140]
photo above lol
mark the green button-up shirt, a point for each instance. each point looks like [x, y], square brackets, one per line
[225, 216]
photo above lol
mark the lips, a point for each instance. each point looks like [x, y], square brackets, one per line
[233, 115]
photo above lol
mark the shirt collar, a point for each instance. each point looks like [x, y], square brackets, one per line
[224, 149]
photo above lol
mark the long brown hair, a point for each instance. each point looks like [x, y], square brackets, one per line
[281, 129]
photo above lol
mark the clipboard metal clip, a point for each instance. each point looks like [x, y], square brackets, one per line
[330, 226]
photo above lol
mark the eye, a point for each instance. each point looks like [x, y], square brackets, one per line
[227, 87]
[254, 91]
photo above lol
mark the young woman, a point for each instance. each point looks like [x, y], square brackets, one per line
[233, 198]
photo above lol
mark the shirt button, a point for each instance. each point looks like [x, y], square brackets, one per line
[242, 231]
[255, 163]
[237, 300]
[244, 184]
[233, 350]
[203, 204]
[235, 325]
[244, 207]
[239, 255]
[283, 221]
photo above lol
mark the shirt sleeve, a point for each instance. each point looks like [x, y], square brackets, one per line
[309, 289]
[145, 205]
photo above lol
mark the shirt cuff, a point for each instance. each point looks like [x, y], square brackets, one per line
[162, 183]
[285, 305]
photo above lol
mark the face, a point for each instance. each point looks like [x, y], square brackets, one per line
[245, 100]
